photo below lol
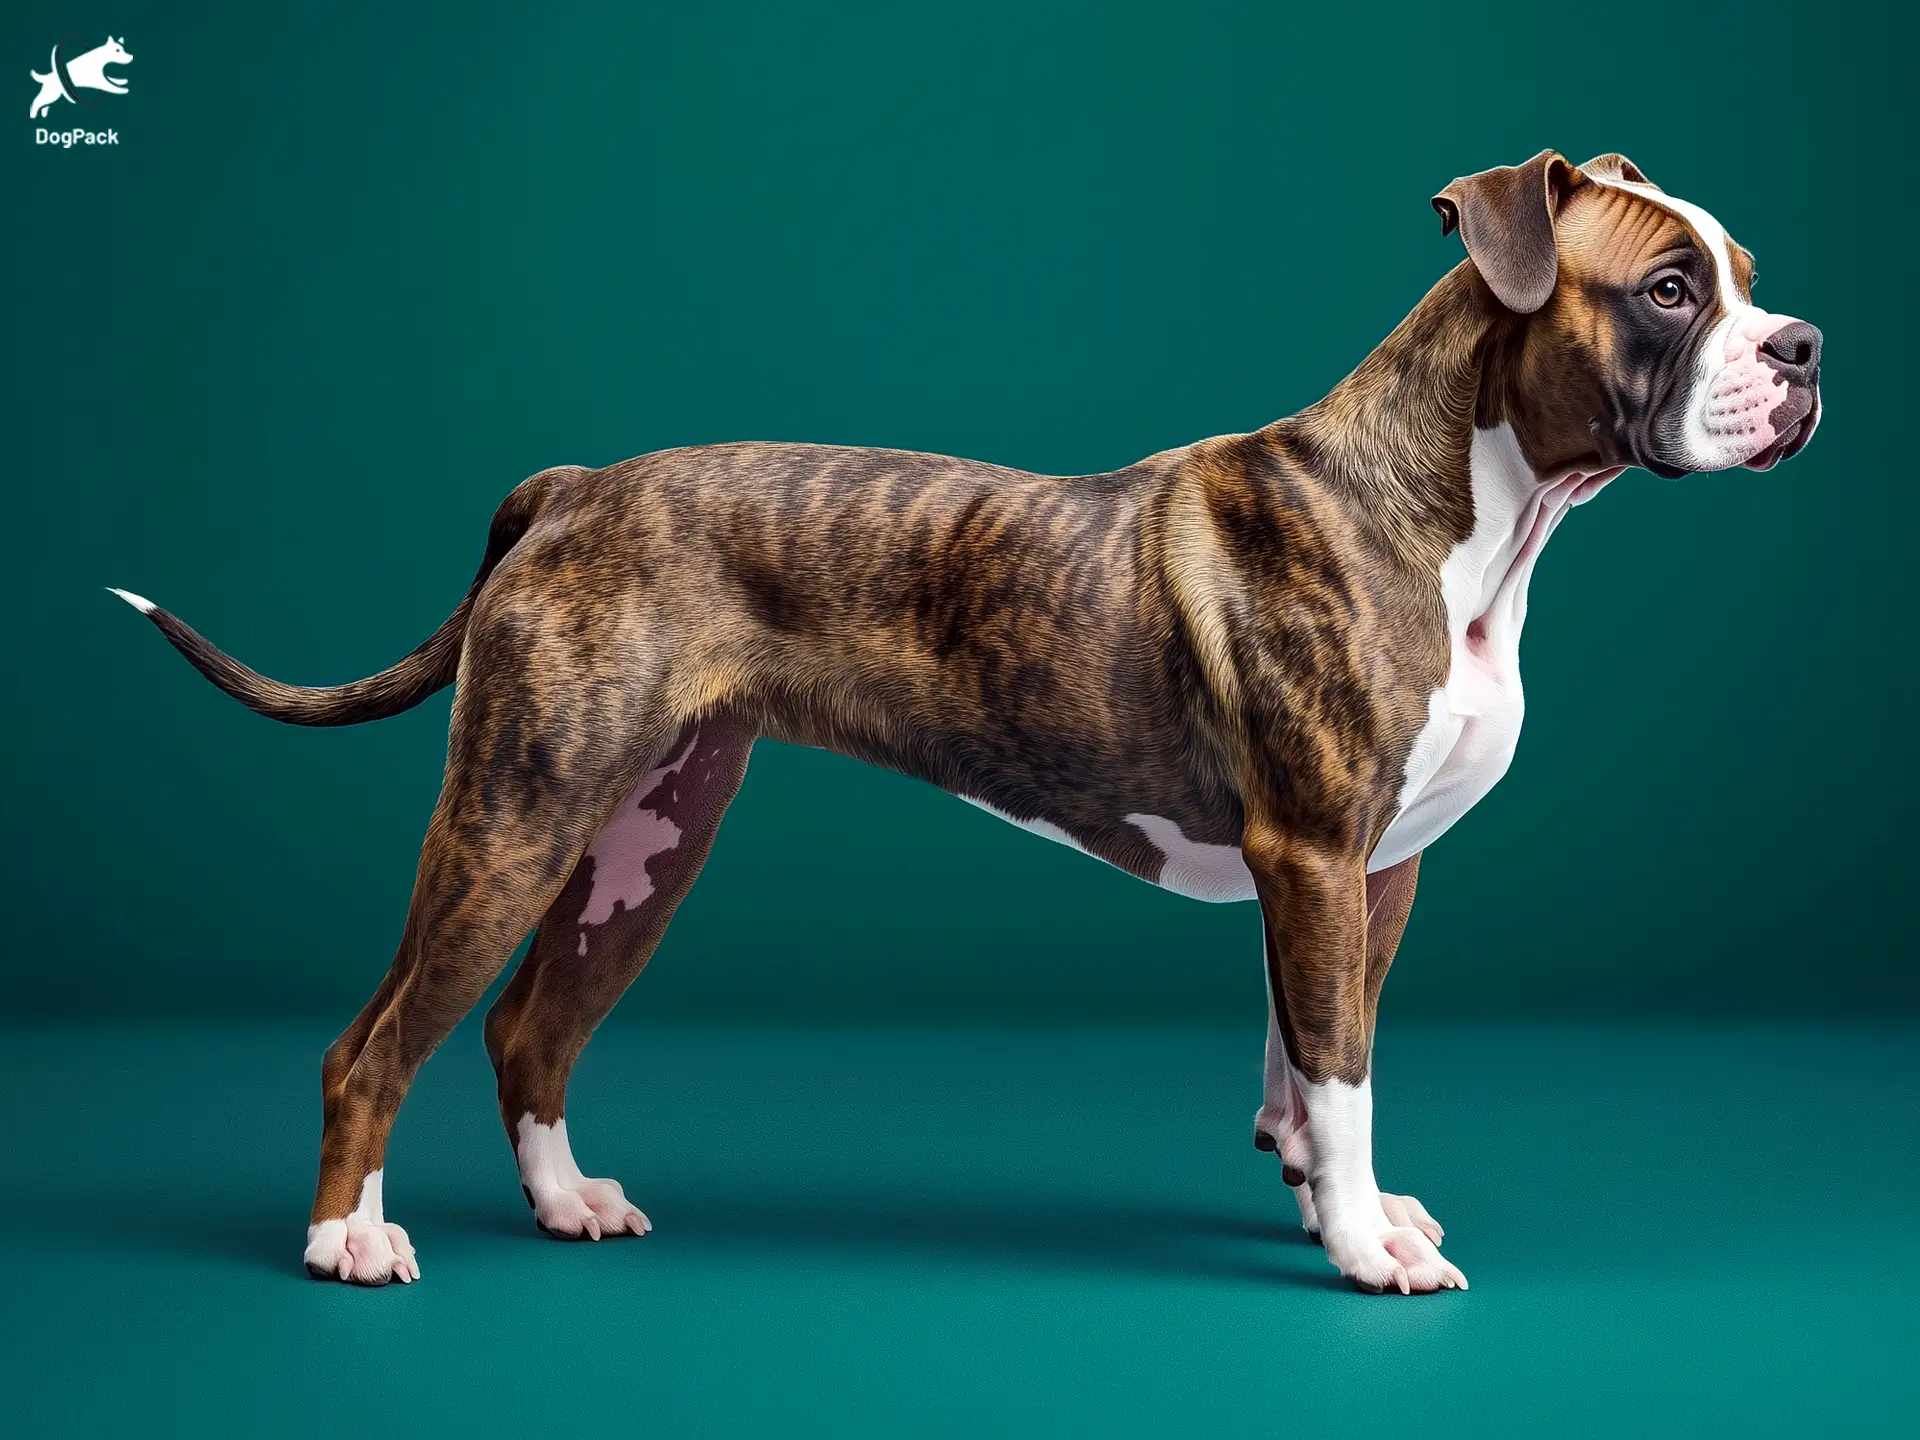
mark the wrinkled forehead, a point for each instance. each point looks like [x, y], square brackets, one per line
[1618, 231]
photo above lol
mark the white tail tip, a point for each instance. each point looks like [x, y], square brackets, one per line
[139, 602]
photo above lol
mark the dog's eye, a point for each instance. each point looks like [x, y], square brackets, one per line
[1668, 292]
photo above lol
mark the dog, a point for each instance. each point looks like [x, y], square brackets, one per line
[87, 72]
[1272, 666]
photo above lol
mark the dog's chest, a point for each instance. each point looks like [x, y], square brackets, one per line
[1473, 718]
[1466, 745]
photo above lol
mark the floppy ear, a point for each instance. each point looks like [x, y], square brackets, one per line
[1506, 216]
[1616, 167]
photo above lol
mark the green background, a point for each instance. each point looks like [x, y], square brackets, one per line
[355, 270]
[350, 275]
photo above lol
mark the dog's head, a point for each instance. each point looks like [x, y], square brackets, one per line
[113, 52]
[1637, 339]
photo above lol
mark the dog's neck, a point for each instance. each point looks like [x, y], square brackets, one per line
[1394, 440]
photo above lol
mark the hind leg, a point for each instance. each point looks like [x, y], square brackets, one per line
[595, 939]
[527, 781]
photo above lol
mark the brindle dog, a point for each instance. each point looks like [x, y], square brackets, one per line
[1272, 665]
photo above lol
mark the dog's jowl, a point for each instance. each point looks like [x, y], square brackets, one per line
[1273, 666]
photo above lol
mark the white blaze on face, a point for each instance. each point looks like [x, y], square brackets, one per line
[1734, 390]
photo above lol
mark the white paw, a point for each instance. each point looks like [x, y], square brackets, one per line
[1405, 1210]
[1396, 1258]
[1287, 1142]
[1309, 1217]
[565, 1202]
[1271, 1136]
[361, 1252]
[587, 1210]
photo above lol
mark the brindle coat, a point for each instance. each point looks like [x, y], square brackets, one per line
[1240, 635]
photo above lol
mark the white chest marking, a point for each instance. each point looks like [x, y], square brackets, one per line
[1473, 720]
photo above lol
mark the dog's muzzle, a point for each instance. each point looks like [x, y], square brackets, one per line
[1793, 353]
[1754, 402]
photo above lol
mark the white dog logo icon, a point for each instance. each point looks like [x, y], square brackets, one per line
[83, 72]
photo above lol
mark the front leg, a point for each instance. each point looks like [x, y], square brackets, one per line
[1280, 1126]
[1315, 906]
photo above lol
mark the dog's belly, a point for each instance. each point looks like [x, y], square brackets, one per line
[1461, 753]
[1464, 748]
[1192, 868]
[1457, 759]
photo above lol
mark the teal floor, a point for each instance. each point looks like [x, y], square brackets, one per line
[1685, 1232]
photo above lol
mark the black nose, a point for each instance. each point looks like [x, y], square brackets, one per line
[1793, 350]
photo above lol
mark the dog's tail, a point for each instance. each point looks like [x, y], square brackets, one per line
[431, 667]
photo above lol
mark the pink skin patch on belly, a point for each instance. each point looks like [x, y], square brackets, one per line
[635, 835]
